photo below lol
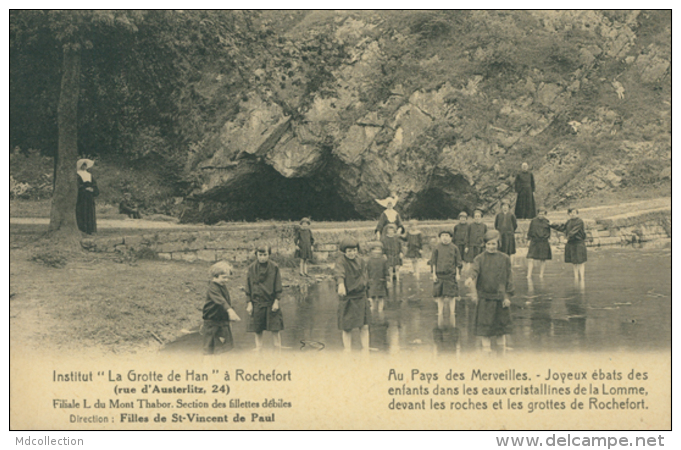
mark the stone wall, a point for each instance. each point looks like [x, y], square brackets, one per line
[237, 245]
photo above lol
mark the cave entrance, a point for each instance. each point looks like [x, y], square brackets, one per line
[267, 195]
[433, 204]
[446, 196]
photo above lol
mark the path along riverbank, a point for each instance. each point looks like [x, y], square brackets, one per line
[621, 224]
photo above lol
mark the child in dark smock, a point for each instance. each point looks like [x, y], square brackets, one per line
[445, 262]
[575, 248]
[538, 234]
[350, 273]
[506, 224]
[217, 312]
[263, 290]
[491, 278]
[414, 240]
[461, 234]
[378, 273]
[392, 248]
[475, 241]
[304, 241]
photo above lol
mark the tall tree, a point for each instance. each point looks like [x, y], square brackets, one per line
[126, 68]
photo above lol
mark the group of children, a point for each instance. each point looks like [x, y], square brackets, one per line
[362, 285]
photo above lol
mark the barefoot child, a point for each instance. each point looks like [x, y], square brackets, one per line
[461, 234]
[475, 242]
[575, 248]
[538, 234]
[445, 262]
[506, 224]
[353, 308]
[392, 247]
[378, 273]
[414, 240]
[304, 240]
[491, 281]
[263, 290]
[217, 311]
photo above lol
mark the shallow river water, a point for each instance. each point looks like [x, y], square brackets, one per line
[624, 305]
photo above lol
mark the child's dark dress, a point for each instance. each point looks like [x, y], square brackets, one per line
[378, 273]
[494, 279]
[575, 248]
[460, 236]
[446, 260]
[506, 225]
[475, 241]
[217, 332]
[392, 247]
[304, 240]
[263, 286]
[353, 309]
[538, 234]
[414, 245]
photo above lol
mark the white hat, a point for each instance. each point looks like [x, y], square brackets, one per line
[385, 201]
[82, 161]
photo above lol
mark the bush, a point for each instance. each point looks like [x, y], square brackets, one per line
[50, 258]
[31, 174]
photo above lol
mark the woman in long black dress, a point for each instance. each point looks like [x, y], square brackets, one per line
[525, 207]
[87, 191]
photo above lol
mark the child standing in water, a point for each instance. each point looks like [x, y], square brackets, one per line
[392, 247]
[445, 261]
[263, 290]
[538, 234]
[414, 240]
[506, 224]
[461, 234]
[304, 240]
[378, 273]
[350, 273]
[575, 248]
[218, 312]
[475, 241]
[491, 281]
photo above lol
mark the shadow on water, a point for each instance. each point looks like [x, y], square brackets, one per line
[624, 305]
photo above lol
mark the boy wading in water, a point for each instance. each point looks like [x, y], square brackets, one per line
[445, 262]
[392, 248]
[378, 274]
[304, 241]
[414, 240]
[461, 234]
[505, 223]
[491, 281]
[538, 234]
[475, 242]
[218, 312]
[575, 248]
[353, 305]
[263, 289]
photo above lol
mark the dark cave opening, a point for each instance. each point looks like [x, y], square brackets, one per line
[264, 194]
[434, 204]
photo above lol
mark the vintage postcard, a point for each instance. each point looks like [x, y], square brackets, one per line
[340, 220]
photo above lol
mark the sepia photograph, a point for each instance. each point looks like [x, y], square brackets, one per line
[341, 220]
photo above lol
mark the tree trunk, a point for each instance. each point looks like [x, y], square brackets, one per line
[63, 213]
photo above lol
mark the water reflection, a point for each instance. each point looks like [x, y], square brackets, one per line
[626, 305]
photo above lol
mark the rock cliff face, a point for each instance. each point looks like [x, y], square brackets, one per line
[421, 109]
